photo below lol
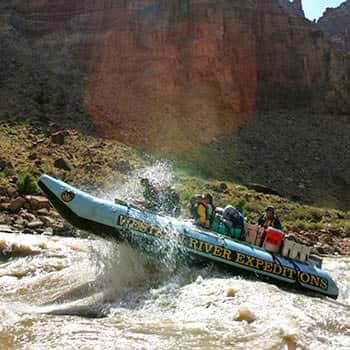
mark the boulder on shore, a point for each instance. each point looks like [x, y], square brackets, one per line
[63, 163]
[38, 202]
[17, 203]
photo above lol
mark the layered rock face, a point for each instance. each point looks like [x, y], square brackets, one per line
[294, 7]
[41, 66]
[173, 74]
[291, 67]
[335, 22]
[297, 67]
[159, 72]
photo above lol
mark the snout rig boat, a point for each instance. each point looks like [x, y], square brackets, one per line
[156, 234]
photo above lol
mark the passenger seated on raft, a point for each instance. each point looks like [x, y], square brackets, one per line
[233, 218]
[202, 209]
[228, 222]
[170, 201]
[269, 218]
[150, 195]
[156, 198]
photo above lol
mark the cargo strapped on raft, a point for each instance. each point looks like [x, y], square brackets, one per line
[274, 241]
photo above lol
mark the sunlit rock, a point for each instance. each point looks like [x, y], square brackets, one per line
[199, 280]
[3, 246]
[244, 314]
[289, 339]
[231, 292]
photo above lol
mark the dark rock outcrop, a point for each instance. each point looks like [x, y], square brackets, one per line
[262, 189]
[297, 67]
[335, 22]
[58, 138]
[63, 163]
[294, 7]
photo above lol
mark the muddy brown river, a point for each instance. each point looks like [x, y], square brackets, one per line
[68, 293]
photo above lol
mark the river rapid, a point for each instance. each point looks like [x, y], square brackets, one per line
[70, 293]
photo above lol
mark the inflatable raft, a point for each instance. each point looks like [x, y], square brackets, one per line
[158, 234]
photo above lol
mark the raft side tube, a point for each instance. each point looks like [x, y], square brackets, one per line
[256, 260]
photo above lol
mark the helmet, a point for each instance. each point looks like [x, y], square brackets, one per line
[270, 207]
[144, 181]
[209, 197]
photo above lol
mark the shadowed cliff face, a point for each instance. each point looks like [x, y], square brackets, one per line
[171, 74]
[294, 7]
[292, 68]
[335, 22]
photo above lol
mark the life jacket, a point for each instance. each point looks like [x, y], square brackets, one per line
[208, 208]
[195, 202]
[269, 222]
[274, 222]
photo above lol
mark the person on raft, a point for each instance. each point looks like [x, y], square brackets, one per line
[158, 199]
[171, 201]
[202, 209]
[233, 218]
[150, 194]
[269, 218]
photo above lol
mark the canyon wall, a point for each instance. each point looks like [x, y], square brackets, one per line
[170, 74]
[335, 22]
[175, 73]
[294, 7]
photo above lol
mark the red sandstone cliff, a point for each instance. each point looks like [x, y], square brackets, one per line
[177, 73]
[174, 73]
[160, 72]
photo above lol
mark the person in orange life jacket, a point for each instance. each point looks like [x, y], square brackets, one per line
[204, 211]
[270, 219]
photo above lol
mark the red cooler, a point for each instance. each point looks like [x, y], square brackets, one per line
[273, 240]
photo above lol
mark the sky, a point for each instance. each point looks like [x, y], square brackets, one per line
[314, 8]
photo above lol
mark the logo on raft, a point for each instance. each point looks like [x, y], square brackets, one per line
[141, 226]
[67, 196]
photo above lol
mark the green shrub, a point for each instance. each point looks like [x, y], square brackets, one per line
[186, 195]
[27, 184]
[241, 205]
[297, 225]
[314, 226]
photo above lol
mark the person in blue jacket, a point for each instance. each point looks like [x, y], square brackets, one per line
[270, 219]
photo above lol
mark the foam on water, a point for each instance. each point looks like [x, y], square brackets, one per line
[146, 306]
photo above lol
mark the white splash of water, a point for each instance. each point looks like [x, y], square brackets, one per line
[159, 174]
